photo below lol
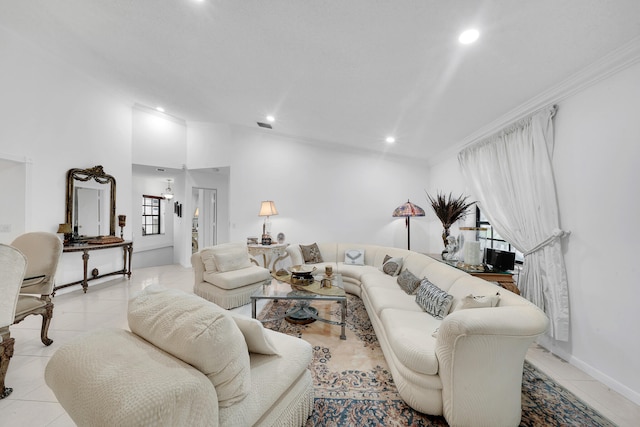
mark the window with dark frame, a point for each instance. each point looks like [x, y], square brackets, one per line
[151, 215]
[493, 239]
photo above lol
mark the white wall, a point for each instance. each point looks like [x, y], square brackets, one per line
[13, 188]
[321, 194]
[58, 119]
[597, 172]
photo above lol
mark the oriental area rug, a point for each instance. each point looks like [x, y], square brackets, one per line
[353, 385]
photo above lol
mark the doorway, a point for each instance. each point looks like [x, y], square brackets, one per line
[204, 218]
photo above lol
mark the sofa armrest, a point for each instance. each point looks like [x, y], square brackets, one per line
[198, 268]
[295, 254]
[480, 355]
[114, 377]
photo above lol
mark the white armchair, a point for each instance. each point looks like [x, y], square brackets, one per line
[224, 274]
[12, 268]
[43, 252]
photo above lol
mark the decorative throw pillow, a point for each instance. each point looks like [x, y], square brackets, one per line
[478, 301]
[354, 257]
[408, 282]
[232, 260]
[433, 300]
[207, 256]
[311, 253]
[254, 334]
[391, 266]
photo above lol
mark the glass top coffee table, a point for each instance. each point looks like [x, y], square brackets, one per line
[302, 312]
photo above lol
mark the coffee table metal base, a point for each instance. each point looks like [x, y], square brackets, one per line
[303, 313]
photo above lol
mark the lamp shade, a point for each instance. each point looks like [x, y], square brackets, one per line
[408, 209]
[64, 228]
[268, 208]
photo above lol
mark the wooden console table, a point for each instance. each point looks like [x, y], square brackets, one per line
[502, 278]
[127, 253]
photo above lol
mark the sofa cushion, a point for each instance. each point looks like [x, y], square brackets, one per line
[410, 336]
[193, 330]
[408, 281]
[433, 300]
[380, 298]
[356, 271]
[272, 379]
[392, 265]
[354, 256]
[311, 253]
[235, 279]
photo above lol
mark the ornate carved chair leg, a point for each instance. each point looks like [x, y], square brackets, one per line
[46, 320]
[6, 352]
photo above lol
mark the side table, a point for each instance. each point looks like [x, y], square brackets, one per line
[276, 252]
[504, 279]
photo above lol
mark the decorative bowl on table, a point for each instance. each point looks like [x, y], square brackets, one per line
[302, 274]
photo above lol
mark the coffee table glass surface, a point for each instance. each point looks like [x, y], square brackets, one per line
[302, 312]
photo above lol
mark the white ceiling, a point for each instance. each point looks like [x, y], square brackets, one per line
[337, 72]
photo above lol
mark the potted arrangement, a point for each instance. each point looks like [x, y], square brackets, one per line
[448, 210]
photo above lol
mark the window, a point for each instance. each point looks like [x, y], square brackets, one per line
[152, 211]
[493, 239]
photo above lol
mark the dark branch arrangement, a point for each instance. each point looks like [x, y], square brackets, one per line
[448, 210]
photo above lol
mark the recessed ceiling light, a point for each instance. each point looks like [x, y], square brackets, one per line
[271, 119]
[160, 109]
[469, 36]
[390, 140]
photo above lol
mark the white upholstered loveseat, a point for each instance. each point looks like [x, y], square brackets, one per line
[186, 362]
[468, 366]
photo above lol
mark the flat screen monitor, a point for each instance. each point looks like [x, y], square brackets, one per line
[500, 260]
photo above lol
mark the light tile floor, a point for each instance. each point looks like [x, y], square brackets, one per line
[104, 305]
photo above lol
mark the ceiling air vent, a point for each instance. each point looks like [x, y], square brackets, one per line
[264, 125]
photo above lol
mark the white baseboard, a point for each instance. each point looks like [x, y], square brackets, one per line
[632, 395]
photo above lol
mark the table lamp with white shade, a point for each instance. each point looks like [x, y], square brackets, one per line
[267, 208]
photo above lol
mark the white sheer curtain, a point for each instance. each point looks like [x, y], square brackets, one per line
[511, 176]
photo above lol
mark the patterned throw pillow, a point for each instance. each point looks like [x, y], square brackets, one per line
[311, 253]
[354, 257]
[408, 282]
[433, 300]
[391, 266]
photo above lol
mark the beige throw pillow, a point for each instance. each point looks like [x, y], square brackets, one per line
[191, 329]
[208, 260]
[479, 301]
[254, 334]
[231, 260]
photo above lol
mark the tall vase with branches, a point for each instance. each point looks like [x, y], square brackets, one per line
[448, 210]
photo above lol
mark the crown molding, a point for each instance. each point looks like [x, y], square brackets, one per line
[614, 62]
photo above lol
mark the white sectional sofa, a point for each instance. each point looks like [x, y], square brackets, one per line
[185, 362]
[467, 366]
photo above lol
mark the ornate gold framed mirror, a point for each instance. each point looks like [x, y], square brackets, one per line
[91, 203]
